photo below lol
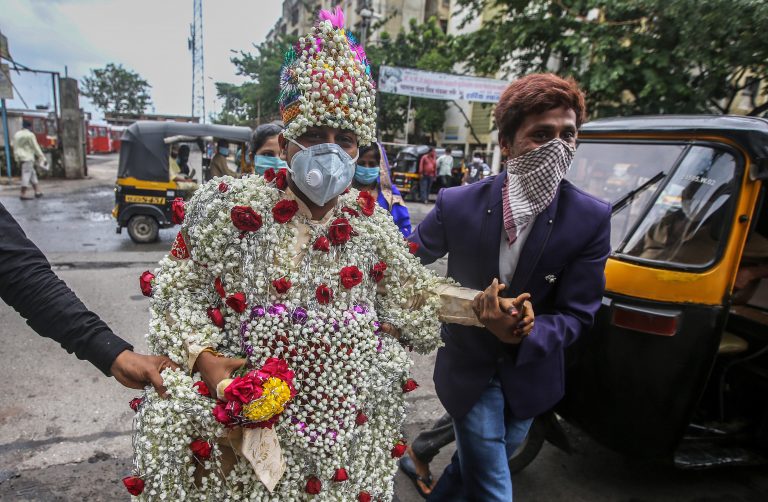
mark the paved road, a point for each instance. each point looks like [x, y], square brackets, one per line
[65, 429]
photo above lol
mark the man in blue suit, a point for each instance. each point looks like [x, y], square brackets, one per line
[535, 233]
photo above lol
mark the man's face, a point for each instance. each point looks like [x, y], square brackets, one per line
[347, 140]
[541, 128]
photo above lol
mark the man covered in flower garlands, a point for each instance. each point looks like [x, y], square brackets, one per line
[290, 302]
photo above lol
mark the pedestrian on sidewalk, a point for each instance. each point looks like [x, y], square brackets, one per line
[27, 152]
[538, 234]
[477, 170]
[428, 171]
[28, 284]
[445, 167]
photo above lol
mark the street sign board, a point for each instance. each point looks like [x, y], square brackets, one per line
[6, 89]
[428, 84]
[4, 51]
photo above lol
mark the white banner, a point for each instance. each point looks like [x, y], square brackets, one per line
[427, 84]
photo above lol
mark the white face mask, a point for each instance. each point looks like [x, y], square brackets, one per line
[322, 171]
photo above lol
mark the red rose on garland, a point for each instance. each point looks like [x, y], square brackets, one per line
[281, 285]
[363, 497]
[223, 187]
[361, 418]
[245, 218]
[179, 248]
[322, 244]
[350, 211]
[284, 210]
[323, 294]
[281, 179]
[221, 414]
[145, 283]
[200, 448]
[242, 389]
[215, 315]
[314, 485]
[134, 485]
[377, 271]
[350, 276]
[219, 287]
[399, 449]
[177, 211]
[340, 475]
[413, 247]
[237, 302]
[340, 231]
[366, 202]
[410, 385]
[135, 403]
[269, 175]
[201, 388]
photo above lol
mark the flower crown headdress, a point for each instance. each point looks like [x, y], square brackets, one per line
[326, 81]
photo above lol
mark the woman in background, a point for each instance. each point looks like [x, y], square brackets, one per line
[372, 175]
[265, 150]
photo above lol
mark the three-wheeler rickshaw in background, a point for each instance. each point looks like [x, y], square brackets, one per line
[144, 189]
[405, 170]
[675, 368]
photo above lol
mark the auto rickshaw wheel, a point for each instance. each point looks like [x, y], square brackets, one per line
[529, 449]
[143, 229]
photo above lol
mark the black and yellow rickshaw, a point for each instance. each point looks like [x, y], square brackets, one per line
[676, 366]
[405, 170]
[144, 189]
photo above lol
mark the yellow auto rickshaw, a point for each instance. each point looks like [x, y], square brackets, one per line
[146, 187]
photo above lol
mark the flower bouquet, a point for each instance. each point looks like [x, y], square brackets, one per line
[257, 398]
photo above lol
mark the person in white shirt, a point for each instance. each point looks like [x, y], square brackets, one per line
[444, 168]
[26, 150]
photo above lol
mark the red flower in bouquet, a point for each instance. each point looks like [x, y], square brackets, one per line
[278, 368]
[413, 247]
[270, 175]
[377, 271]
[366, 202]
[410, 385]
[200, 448]
[145, 283]
[243, 389]
[245, 218]
[363, 497]
[314, 485]
[179, 248]
[399, 449]
[134, 485]
[340, 475]
[223, 187]
[237, 302]
[201, 388]
[281, 179]
[284, 210]
[350, 211]
[322, 244]
[219, 287]
[340, 231]
[215, 315]
[323, 294]
[350, 276]
[135, 403]
[221, 414]
[361, 418]
[177, 211]
[281, 285]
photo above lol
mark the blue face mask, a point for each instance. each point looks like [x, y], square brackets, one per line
[224, 151]
[366, 175]
[263, 162]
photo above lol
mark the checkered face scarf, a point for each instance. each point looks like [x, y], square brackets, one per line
[532, 181]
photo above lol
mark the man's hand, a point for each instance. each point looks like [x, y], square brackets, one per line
[390, 330]
[213, 369]
[509, 319]
[136, 371]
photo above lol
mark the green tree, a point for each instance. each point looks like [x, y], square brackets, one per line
[114, 89]
[631, 56]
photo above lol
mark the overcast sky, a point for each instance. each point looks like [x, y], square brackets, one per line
[146, 36]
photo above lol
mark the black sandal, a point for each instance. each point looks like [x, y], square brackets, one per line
[407, 466]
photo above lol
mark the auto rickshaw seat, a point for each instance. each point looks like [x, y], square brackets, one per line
[732, 344]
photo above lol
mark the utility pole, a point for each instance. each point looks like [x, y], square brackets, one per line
[195, 45]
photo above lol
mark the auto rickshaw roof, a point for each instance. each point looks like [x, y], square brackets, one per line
[144, 153]
[751, 133]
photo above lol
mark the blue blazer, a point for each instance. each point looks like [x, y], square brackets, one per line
[561, 265]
